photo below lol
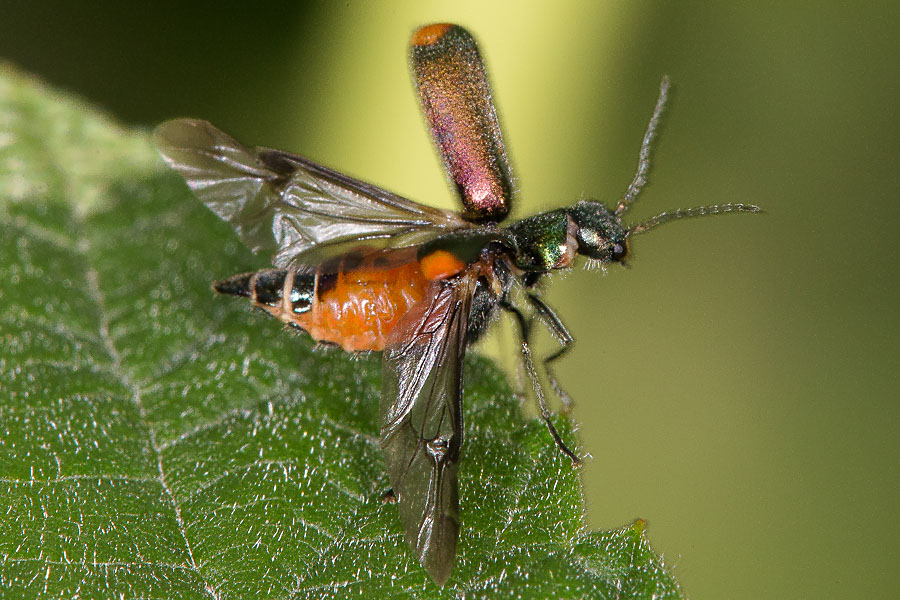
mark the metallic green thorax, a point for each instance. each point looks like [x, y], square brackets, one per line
[543, 241]
[551, 240]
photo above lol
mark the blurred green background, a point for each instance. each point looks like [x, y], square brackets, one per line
[738, 387]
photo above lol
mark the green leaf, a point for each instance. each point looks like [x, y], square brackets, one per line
[159, 442]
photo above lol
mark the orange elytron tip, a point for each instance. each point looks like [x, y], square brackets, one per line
[425, 36]
[440, 264]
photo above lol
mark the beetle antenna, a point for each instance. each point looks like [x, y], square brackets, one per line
[684, 213]
[640, 177]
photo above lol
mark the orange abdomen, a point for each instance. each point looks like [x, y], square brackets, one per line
[360, 307]
[354, 301]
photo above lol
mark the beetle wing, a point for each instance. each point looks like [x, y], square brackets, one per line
[285, 204]
[421, 419]
[455, 95]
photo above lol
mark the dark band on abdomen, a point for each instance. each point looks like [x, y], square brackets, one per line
[267, 287]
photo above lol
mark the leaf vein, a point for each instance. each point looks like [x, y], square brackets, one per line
[109, 343]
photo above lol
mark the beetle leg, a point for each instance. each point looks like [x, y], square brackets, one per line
[524, 331]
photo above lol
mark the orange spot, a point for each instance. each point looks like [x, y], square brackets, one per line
[429, 34]
[440, 264]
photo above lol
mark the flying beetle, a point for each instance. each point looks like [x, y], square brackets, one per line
[359, 267]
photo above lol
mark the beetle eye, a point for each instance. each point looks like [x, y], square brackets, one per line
[619, 251]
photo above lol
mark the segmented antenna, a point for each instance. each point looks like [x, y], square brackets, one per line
[640, 177]
[698, 211]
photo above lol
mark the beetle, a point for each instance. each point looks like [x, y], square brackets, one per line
[363, 268]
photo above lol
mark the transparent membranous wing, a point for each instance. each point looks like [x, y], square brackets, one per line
[286, 205]
[421, 420]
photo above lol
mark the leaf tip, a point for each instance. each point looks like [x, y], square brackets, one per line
[639, 526]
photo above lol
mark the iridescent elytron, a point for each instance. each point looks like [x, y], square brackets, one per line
[360, 267]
